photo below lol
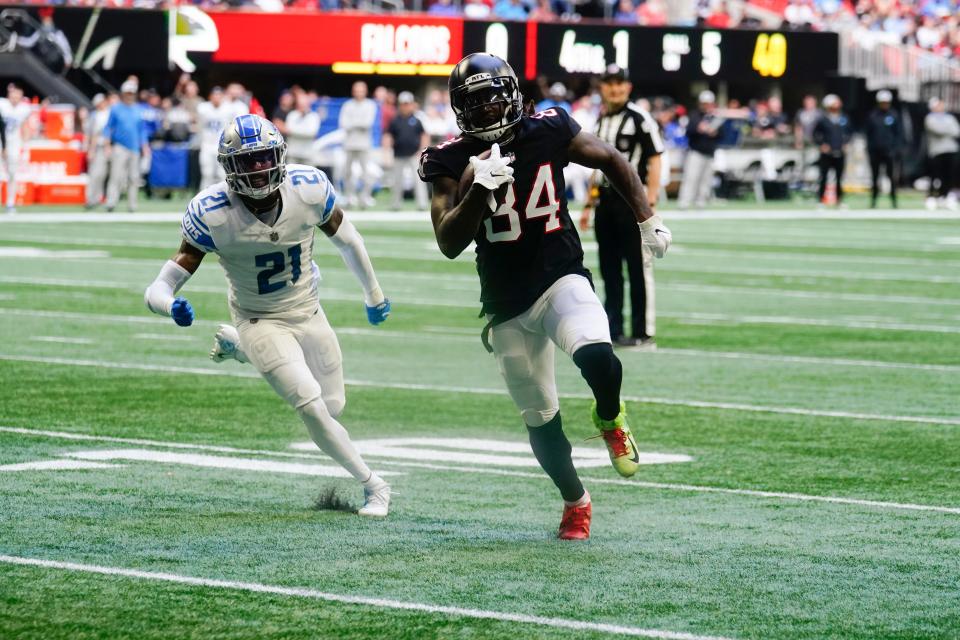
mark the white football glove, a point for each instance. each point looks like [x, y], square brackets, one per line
[493, 171]
[655, 235]
[226, 345]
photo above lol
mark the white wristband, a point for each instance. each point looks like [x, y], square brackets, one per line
[159, 295]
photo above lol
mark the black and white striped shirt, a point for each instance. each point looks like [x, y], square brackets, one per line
[634, 133]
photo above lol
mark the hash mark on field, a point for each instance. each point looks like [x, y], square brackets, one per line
[57, 465]
[84, 437]
[379, 603]
[165, 337]
[61, 339]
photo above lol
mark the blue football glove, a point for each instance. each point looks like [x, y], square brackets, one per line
[182, 312]
[379, 313]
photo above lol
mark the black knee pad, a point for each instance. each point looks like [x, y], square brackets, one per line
[598, 364]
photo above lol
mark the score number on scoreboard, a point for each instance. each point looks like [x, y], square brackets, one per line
[769, 53]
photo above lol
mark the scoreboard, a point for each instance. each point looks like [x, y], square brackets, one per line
[657, 53]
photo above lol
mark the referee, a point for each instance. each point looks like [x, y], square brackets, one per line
[635, 134]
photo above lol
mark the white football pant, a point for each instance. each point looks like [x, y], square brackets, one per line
[301, 360]
[568, 314]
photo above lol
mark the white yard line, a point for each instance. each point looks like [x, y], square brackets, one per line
[728, 406]
[375, 602]
[801, 293]
[167, 337]
[879, 504]
[61, 340]
[499, 472]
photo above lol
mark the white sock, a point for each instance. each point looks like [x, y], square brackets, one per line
[333, 440]
[373, 481]
[582, 502]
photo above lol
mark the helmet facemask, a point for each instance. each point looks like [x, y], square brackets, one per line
[256, 173]
[488, 109]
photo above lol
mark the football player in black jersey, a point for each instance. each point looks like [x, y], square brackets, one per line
[534, 288]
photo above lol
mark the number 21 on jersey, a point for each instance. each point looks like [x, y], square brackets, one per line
[542, 203]
[276, 265]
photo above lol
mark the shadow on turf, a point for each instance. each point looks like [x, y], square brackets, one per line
[329, 499]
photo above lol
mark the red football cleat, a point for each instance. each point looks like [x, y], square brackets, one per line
[575, 524]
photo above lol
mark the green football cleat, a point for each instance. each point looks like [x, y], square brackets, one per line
[620, 443]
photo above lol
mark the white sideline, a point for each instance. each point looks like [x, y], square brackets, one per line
[380, 603]
[732, 406]
[802, 497]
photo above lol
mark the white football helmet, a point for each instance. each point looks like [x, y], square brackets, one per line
[253, 154]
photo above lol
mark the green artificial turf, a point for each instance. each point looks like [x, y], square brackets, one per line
[811, 359]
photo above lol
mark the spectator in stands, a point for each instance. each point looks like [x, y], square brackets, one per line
[510, 10]
[405, 137]
[702, 131]
[357, 119]
[885, 142]
[556, 97]
[718, 17]
[443, 8]
[805, 121]
[626, 12]
[95, 147]
[543, 12]
[302, 126]
[126, 136]
[832, 134]
[653, 13]
[942, 132]
[799, 15]
[284, 106]
[476, 9]
[49, 43]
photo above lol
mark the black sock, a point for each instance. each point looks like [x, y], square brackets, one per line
[552, 450]
[603, 372]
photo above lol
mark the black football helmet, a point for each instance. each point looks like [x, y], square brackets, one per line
[485, 96]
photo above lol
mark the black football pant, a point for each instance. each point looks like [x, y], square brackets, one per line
[618, 240]
[830, 162]
[941, 174]
[888, 163]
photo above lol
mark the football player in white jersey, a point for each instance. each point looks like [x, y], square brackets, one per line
[16, 117]
[213, 115]
[261, 223]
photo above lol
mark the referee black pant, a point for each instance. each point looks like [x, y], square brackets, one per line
[618, 240]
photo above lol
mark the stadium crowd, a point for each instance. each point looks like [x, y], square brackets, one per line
[933, 25]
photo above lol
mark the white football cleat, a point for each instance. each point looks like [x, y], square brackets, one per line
[226, 345]
[376, 501]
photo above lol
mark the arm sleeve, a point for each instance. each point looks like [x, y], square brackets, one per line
[159, 296]
[350, 245]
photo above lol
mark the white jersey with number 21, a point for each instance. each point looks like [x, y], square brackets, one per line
[270, 270]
